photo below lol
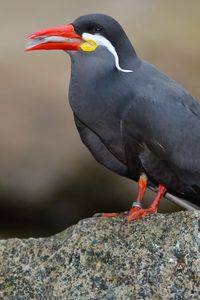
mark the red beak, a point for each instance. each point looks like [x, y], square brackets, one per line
[56, 38]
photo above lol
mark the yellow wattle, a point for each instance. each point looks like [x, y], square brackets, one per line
[89, 46]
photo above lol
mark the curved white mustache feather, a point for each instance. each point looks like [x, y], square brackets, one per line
[101, 40]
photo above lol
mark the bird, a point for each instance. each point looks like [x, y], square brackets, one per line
[134, 119]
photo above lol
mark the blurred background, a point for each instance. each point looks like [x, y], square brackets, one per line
[48, 179]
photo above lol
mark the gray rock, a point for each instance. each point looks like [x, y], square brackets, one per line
[154, 258]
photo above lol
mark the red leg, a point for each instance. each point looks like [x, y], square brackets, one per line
[151, 209]
[142, 186]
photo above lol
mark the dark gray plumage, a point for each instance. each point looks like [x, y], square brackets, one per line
[134, 122]
[140, 123]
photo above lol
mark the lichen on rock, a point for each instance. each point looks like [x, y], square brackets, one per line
[157, 257]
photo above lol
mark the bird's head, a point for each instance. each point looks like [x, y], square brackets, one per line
[85, 34]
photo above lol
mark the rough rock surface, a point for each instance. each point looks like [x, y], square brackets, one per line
[154, 258]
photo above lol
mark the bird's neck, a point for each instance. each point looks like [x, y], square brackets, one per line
[97, 86]
[126, 51]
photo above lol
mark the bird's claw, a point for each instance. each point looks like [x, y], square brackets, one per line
[133, 214]
[111, 215]
[138, 213]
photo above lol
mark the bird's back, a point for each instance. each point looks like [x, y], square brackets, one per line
[166, 120]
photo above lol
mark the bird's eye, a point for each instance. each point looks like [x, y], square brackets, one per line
[98, 29]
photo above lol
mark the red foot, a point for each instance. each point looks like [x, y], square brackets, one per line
[111, 215]
[134, 210]
[138, 213]
[141, 212]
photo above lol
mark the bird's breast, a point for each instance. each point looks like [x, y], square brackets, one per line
[100, 111]
[99, 94]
